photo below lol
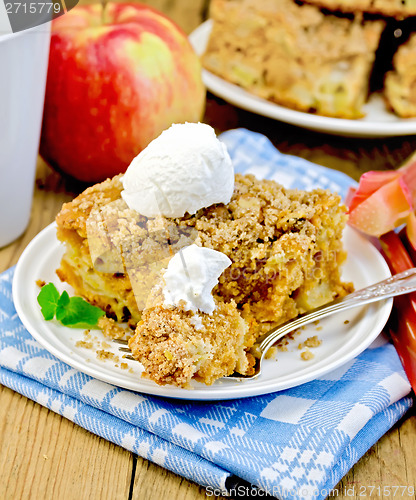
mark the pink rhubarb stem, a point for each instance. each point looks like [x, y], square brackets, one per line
[402, 323]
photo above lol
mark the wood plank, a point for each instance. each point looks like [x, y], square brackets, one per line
[43, 455]
[390, 462]
[152, 481]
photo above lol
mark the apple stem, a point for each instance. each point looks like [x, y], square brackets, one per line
[104, 5]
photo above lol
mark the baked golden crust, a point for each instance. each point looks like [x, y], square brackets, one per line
[176, 346]
[285, 248]
[73, 215]
[398, 9]
[112, 292]
[400, 83]
[294, 54]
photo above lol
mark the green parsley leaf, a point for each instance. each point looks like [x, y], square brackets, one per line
[70, 311]
[48, 300]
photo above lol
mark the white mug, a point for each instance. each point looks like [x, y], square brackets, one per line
[23, 68]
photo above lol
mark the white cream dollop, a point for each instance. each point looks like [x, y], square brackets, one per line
[183, 170]
[190, 277]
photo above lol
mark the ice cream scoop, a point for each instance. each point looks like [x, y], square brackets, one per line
[190, 277]
[183, 170]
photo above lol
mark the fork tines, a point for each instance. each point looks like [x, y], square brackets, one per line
[124, 342]
[121, 341]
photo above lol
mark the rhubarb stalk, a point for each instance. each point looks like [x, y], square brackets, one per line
[402, 322]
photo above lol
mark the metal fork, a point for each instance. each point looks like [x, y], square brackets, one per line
[399, 284]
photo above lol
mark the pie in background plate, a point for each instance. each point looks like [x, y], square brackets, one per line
[294, 54]
[401, 81]
[319, 56]
[395, 8]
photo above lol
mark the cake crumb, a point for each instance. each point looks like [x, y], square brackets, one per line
[110, 328]
[346, 322]
[83, 343]
[40, 283]
[124, 366]
[271, 353]
[102, 354]
[282, 344]
[307, 355]
[313, 341]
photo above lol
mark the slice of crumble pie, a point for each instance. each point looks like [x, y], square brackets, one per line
[285, 248]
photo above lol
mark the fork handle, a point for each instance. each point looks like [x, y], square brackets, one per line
[398, 284]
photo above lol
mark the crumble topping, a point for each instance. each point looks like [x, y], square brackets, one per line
[285, 248]
[110, 328]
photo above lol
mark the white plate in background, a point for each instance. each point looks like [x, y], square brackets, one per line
[378, 122]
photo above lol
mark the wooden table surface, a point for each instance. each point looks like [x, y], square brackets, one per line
[45, 456]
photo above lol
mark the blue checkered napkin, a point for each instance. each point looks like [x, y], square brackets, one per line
[294, 444]
[254, 153]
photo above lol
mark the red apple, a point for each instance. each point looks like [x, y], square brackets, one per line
[118, 76]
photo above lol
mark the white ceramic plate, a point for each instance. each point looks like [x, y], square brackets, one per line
[378, 122]
[341, 342]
